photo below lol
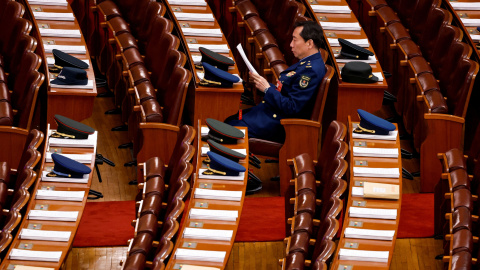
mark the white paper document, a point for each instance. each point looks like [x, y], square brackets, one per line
[207, 234]
[82, 180]
[89, 85]
[49, 32]
[205, 149]
[224, 195]
[330, 9]
[53, 215]
[44, 235]
[392, 135]
[357, 191]
[82, 143]
[197, 59]
[74, 49]
[371, 59]
[470, 22]
[200, 255]
[209, 214]
[60, 195]
[465, 5]
[202, 32]
[82, 158]
[33, 255]
[239, 177]
[375, 152]
[48, 2]
[196, 267]
[369, 234]
[199, 17]
[363, 255]
[218, 48]
[363, 212]
[54, 16]
[245, 59]
[376, 172]
[379, 75]
[362, 42]
[204, 131]
[340, 26]
[188, 2]
[51, 61]
[475, 38]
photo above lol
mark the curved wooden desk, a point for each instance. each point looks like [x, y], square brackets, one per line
[52, 205]
[210, 245]
[351, 96]
[355, 201]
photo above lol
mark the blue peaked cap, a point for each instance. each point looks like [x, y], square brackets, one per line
[371, 124]
[217, 75]
[67, 167]
[223, 164]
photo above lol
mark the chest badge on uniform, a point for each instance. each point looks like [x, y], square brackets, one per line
[290, 74]
[304, 81]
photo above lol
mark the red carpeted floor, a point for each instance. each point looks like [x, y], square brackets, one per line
[262, 219]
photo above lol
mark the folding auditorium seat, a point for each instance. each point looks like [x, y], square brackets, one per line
[322, 253]
[142, 243]
[302, 222]
[147, 223]
[460, 219]
[26, 44]
[304, 182]
[246, 9]
[26, 178]
[134, 262]
[13, 11]
[420, 17]
[26, 99]
[150, 205]
[459, 261]
[178, 186]
[163, 251]
[303, 163]
[293, 261]
[305, 201]
[19, 201]
[453, 160]
[10, 221]
[5, 240]
[174, 210]
[20, 28]
[332, 208]
[461, 240]
[331, 183]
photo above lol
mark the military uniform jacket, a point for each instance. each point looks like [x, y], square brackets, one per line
[297, 85]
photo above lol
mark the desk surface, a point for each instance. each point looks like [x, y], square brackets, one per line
[369, 223]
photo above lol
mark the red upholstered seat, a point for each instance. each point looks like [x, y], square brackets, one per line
[178, 186]
[302, 222]
[173, 94]
[19, 200]
[409, 48]
[328, 229]
[11, 221]
[147, 223]
[145, 91]
[163, 251]
[437, 18]
[154, 186]
[436, 101]
[459, 179]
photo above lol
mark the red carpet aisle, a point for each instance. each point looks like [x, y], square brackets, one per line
[416, 216]
[106, 224]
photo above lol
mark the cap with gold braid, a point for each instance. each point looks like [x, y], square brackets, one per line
[216, 77]
[220, 165]
[215, 59]
[353, 51]
[371, 124]
[222, 132]
[68, 168]
[71, 129]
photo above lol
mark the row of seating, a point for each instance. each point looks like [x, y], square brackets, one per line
[15, 183]
[160, 204]
[433, 75]
[19, 77]
[316, 203]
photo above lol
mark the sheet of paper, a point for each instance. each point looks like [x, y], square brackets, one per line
[375, 152]
[475, 38]
[210, 214]
[330, 9]
[357, 191]
[470, 22]
[73, 49]
[465, 5]
[363, 255]
[51, 61]
[54, 16]
[362, 42]
[82, 143]
[49, 32]
[363, 212]
[48, 3]
[33, 255]
[188, 2]
[376, 172]
[369, 234]
[245, 59]
[66, 86]
[218, 48]
[200, 17]
[60, 195]
[82, 158]
[240, 176]
[340, 26]
[224, 195]
[29, 234]
[53, 215]
[200, 255]
[202, 32]
[208, 234]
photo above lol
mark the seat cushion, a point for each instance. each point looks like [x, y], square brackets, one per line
[246, 9]
[109, 9]
[4, 92]
[410, 48]
[142, 243]
[132, 57]
[145, 91]
[265, 40]
[306, 181]
[304, 163]
[398, 31]
[126, 41]
[264, 148]
[436, 101]
[138, 74]
[428, 82]
[154, 167]
[419, 65]
[388, 15]
[455, 159]
[256, 25]
[305, 202]
[459, 180]
[118, 26]
[299, 242]
[152, 204]
[153, 111]
[6, 114]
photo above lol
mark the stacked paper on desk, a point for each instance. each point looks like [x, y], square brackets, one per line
[82, 158]
[74, 49]
[60, 195]
[218, 48]
[48, 2]
[239, 177]
[197, 59]
[33, 255]
[371, 59]
[392, 136]
[54, 16]
[363, 255]
[49, 32]
[187, 2]
[362, 42]
[90, 142]
[340, 26]
[53, 215]
[29, 234]
[369, 234]
[224, 195]
[465, 5]
[202, 32]
[357, 191]
[375, 152]
[89, 85]
[376, 172]
[51, 61]
[379, 75]
[200, 255]
[204, 131]
[381, 191]
[475, 38]
[207, 234]
[199, 17]
[470, 22]
[196, 267]
[82, 180]
[330, 9]
[241, 151]
[209, 214]
[363, 212]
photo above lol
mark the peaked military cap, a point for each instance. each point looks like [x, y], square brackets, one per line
[222, 132]
[68, 128]
[217, 77]
[215, 59]
[71, 76]
[358, 72]
[66, 167]
[63, 59]
[224, 151]
[220, 165]
[353, 51]
[371, 124]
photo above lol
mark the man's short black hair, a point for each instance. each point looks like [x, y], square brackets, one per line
[311, 30]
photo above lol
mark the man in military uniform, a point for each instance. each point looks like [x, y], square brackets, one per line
[295, 87]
